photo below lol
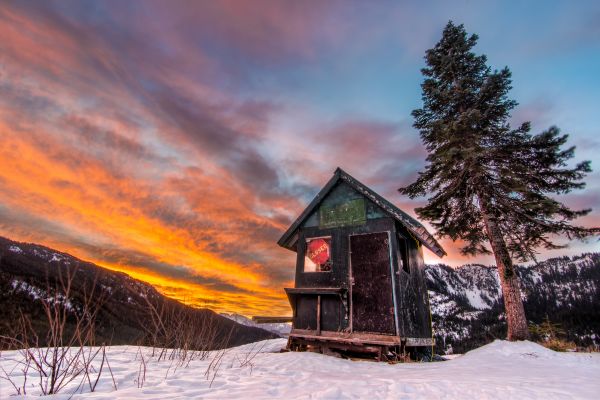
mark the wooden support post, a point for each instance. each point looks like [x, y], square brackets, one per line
[318, 315]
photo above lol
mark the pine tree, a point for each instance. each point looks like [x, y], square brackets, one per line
[490, 183]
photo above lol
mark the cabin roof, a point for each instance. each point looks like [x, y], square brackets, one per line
[290, 237]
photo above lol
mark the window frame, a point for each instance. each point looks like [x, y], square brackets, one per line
[305, 256]
[403, 254]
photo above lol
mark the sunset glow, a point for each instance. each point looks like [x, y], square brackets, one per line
[177, 141]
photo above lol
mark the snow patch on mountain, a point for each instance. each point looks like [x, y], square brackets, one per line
[56, 257]
[15, 249]
[40, 294]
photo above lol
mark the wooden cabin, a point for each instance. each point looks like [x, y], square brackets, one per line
[359, 284]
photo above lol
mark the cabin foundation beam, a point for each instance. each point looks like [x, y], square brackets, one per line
[359, 338]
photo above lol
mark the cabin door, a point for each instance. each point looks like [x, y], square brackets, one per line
[372, 298]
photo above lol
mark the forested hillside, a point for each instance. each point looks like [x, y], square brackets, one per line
[126, 310]
[467, 310]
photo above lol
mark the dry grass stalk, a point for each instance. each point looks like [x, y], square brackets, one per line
[66, 353]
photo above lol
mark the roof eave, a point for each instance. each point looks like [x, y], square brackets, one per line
[287, 239]
[284, 241]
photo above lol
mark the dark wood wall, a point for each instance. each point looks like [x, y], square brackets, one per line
[412, 297]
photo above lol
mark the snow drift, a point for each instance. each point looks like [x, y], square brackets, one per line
[500, 370]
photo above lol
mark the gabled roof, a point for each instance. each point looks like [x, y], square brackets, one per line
[290, 236]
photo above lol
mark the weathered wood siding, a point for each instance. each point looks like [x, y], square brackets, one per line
[413, 300]
[306, 316]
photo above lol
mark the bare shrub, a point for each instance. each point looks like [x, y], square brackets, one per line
[551, 335]
[65, 353]
[181, 334]
[141, 377]
[215, 364]
[248, 359]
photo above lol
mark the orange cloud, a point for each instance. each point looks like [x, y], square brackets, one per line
[38, 177]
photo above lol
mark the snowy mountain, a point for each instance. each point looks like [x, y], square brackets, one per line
[29, 274]
[467, 309]
[281, 329]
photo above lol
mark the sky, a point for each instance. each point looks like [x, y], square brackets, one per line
[177, 140]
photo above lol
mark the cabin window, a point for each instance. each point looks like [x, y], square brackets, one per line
[403, 254]
[318, 254]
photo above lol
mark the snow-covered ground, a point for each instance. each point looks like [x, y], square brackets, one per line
[501, 370]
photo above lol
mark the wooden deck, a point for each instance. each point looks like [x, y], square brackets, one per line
[359, 339]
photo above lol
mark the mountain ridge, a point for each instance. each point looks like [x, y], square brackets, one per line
[467, 307]
[29, 274]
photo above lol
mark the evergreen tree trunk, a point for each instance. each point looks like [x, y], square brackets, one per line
[515, 313]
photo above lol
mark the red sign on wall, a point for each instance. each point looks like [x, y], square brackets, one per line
[318, 251]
